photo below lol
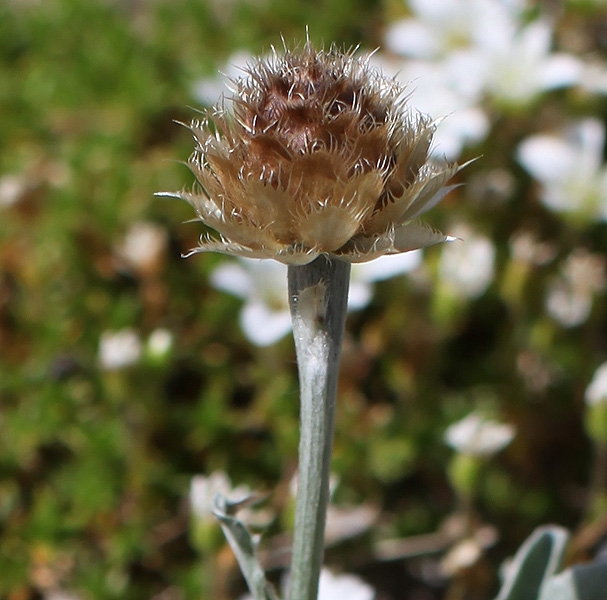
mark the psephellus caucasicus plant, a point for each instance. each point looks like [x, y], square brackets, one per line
[316, 161]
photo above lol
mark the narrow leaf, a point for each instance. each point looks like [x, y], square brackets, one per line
[581, 582]
[244, 546]
[536, 561]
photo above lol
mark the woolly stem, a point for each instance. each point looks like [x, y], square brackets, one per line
[318, 294]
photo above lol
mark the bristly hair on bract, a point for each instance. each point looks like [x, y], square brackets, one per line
[316, 152]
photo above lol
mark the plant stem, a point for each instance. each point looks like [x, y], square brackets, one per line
[318, 295]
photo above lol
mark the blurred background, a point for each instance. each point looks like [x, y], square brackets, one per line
[133, 383]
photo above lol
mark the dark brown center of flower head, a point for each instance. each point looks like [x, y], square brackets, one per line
[309, 101]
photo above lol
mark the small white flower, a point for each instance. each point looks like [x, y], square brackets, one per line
[160, 342]
[519, 65]
[566, 306]
[527, 249]
[119, 349]
[466, 269]
[596, 392]
[462, 555]
[338, 587]
[486, 44]
[12, 189]
[569, 297]
[203, 490]
[265, 317]
[585, 271]
[570, 168]
[144, 246]
[335, 587]
[477, 436]
[536, 372]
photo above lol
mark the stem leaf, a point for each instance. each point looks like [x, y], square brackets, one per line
[244, 545]
[581, 582]
[536, 561]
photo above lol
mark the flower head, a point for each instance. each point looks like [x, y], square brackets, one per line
[319, 154]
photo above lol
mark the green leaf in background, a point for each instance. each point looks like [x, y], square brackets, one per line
[581, 582]
[535, 562]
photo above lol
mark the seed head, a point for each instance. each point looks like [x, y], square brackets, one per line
[319, 154]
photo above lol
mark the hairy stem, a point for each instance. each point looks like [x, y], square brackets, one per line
[318, 294]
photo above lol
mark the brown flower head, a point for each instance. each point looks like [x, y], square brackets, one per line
[319, 155]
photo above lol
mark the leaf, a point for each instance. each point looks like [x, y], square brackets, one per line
[536, 561]
[581, 582]
[244, 544]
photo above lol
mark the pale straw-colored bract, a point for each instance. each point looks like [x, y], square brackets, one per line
[319, 154]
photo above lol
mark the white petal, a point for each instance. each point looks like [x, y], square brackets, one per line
[596, 392]
[119, 349]
[478, 436]
[535, 38]
[603, 199]
[232, 278]
[590, 135]
[560, 70]
[263, 326]
[569, 167]
[495, 27]
[386, 267]
[340, 587]
[411, 38]
[209, 89]
[336, 587]
[360, 293]
[268, 280]
[593, 78]
[432, 10]
[546, 157]
[468, 126]
[467, 266]
[567, 307]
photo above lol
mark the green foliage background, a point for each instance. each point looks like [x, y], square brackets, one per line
[95, 466]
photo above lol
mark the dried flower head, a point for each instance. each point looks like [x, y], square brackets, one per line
[319, 155]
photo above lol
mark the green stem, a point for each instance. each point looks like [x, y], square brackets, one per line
[318, 294]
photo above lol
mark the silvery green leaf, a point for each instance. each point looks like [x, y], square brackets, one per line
[244, 545]
[536, 561]
[581, 582]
